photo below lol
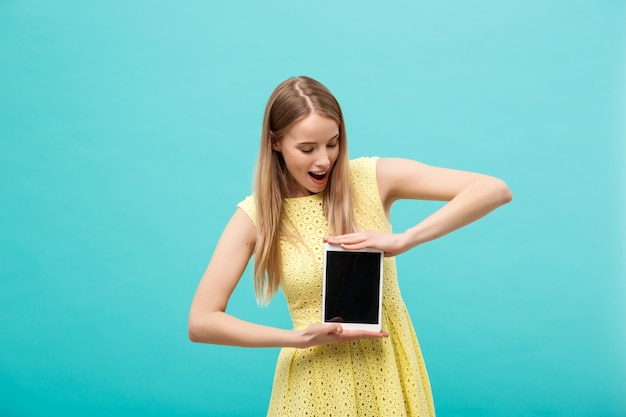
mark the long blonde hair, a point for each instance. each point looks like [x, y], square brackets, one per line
[293, 100]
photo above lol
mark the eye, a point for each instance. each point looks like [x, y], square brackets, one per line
[307, 150]
[333, 144]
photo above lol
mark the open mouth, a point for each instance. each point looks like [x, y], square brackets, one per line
[318, 176]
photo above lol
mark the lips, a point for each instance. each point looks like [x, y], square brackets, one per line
[318, 177]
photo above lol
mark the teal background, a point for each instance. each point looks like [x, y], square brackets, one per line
[129, 132]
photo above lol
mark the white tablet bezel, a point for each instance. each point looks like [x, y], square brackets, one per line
[355, 326]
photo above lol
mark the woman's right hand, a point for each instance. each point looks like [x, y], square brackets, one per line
[325, 334]
[208, 320]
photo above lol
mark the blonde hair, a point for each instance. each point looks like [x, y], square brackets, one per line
[293, 100]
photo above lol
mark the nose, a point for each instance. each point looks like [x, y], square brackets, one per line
[323, 160]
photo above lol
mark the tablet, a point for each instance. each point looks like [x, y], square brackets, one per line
[352, 290]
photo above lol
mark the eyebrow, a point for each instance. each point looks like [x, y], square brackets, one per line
[315, 143]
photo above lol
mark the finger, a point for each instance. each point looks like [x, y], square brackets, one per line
[350, 243]
[362, 334]
[357, 245]
[333, 329]
[350, 237]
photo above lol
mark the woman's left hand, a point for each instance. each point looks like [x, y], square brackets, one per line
[390, 244]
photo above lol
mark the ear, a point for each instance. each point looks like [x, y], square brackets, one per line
[275, 142]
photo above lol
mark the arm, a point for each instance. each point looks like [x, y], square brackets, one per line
[208, 321]
[470, 196]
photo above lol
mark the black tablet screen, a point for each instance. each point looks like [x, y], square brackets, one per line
[352, 287]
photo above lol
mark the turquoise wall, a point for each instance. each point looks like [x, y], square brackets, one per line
[129, 131]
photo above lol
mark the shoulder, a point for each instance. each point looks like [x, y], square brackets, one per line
[248, 205]
[363, 166]
[363, 163]
[363, 177]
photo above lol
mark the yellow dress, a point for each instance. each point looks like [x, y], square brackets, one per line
[369, 377]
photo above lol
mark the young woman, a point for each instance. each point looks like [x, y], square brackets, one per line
[306, 193]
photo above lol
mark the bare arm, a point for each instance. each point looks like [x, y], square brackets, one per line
[470, 196]
[208, 320]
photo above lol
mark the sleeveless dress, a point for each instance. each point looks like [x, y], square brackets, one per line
[369, 377]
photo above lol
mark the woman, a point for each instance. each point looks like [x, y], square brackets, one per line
[306, 193]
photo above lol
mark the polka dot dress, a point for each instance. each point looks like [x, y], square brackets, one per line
[369, 377]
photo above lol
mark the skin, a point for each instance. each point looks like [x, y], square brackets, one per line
[309, 146]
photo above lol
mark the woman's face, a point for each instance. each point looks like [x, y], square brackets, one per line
[310, 148]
